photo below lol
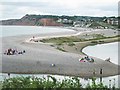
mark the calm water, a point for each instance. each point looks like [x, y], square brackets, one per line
[23, 30]
[103, 51]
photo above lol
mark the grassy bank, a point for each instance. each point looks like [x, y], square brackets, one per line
[75, 44]
[0, 85]
[101, 41]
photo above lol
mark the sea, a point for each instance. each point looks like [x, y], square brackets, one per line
[104, 51]
[26, 30]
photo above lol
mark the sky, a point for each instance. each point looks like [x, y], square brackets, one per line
[15, 9]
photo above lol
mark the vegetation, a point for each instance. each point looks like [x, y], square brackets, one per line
[72, 39]
[94, 42]
[0, 85]
[71, 44]
[87, 21]
[108, 25]
[59, 48]
[98, 36]
[103, 25]
[61, 40]
[51, 83]
[95, 24]
[94, 85]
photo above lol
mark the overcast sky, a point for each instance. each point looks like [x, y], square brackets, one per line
[11, 9]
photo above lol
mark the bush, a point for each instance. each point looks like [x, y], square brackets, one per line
[95, 86]
[51, 83]
[71, 44]
[101, 41]
[94, 42]
[44, 83]
[61, 49]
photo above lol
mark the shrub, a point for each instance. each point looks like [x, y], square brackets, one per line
[61, 49]
[51, 83]
[71, 44]
[94, 42]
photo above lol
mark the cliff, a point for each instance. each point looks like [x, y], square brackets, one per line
[33, 20]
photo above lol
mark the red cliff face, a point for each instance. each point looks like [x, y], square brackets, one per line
[31, 22]
[49, 22]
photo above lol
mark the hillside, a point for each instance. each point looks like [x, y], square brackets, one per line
[32, 20]
[52, 20]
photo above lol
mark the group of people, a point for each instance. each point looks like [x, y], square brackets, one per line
[86, 59]
[13, 52]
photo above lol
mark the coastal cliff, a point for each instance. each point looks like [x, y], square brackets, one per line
[32, 20]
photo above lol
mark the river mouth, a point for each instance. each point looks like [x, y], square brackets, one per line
[38, 75]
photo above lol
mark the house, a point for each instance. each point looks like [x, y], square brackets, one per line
[80, 23]
[65, 21]
[112, 21]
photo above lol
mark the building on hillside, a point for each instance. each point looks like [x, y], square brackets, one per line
[80, 23]
[112, 21]
[65, 21]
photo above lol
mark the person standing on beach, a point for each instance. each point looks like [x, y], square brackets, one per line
[101, 74]
[101, 71]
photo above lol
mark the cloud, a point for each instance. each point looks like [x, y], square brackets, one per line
[17, 9]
